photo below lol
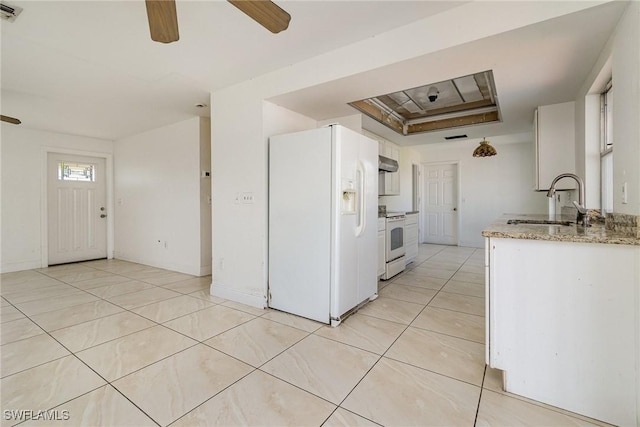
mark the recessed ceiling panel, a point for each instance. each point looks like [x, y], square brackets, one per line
[461, 101]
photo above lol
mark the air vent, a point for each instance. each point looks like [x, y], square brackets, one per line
[449, 138]
[8, 12]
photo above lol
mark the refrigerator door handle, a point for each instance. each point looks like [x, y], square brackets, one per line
[360, 210]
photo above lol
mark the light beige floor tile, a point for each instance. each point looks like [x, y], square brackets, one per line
[48, 385]
[167, 278]
[65, 270]
[365, 332]
[120, 357]
[393, 310]
[173, 308]
[207, 323]
[408, 293]
[124, 267]
[343, 418]
[145, 273]
[16, 277]
[439, 273]
[273, 403]
[43, 293]
[464, 288]
[94, 332]
[421, 281]
[174, 386]
[102, 281]
[323, 367]
[144, 297]
[500, 410]
[101, 407]
[69, 316]
[86, 275]
[18, 330]
[33, 284]
[453, 267]
[394, 393]
[123, 288]
[9, 314]
[458, 302]
[493, 380]
[446, 355]
[463, 276]
[256, 341]
[205, 295]
[246, 308]
[4, 302]
[470, 268]
[454, 323]
[21, 355]
[292, 320]
[190, 285]
[32, 308]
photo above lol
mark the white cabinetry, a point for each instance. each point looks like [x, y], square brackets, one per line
[381, 246]
[561, 323]
[411, 237]
[554, 129]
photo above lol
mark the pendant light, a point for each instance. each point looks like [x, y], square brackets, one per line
[484, 149]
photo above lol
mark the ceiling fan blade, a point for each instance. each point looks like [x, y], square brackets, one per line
[163, 20]
[264, 12]
[11, 120]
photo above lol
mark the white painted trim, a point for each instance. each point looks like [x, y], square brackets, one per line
[44, 227]
[459, 190]
[220, 291]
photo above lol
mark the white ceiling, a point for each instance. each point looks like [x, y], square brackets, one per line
[90, 67]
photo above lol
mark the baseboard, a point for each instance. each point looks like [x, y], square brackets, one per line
[20, 266]
[220, 291]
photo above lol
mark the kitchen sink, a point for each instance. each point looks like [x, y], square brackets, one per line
[538, 222]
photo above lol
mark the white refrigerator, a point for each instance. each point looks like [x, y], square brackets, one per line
[322, 222]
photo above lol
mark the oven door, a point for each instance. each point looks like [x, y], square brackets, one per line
[395, 238]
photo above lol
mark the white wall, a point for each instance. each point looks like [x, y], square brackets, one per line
[240, 165]
[23, 153]
[353, 122]
[489, 186]
[626, 107]
[158, 198]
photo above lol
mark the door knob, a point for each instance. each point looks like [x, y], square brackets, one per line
[102, 208]
[103, 215]
[455, 209]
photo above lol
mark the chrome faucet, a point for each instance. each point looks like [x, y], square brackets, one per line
[583, 216]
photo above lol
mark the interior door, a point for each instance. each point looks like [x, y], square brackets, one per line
[76, 208]
[440, 204]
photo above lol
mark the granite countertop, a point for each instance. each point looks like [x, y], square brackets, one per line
[597, 233]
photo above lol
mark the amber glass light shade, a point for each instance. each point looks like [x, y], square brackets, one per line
[484, 149]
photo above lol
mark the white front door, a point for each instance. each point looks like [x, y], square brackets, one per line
[440, 204]
[76, 208]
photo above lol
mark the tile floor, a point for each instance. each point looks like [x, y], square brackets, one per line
[110, 342]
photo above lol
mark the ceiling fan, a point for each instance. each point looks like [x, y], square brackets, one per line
[163, 19]
[11, 120]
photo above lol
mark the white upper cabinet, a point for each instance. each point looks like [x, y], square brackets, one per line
[555, 145]
[389, 182]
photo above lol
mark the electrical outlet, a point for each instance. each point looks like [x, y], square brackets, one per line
[247, 198]
[624, 193]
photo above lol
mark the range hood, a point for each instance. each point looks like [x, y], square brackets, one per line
[386, 164]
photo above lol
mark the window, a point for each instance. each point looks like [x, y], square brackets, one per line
[606, 148]
[76, 172]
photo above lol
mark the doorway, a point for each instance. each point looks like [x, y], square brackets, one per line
[441, 204]
[76, 208]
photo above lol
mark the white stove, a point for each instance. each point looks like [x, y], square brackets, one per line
[394, 244]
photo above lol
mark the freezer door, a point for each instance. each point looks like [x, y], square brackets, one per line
[300, 191]
[355, 250]
[368, 238]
